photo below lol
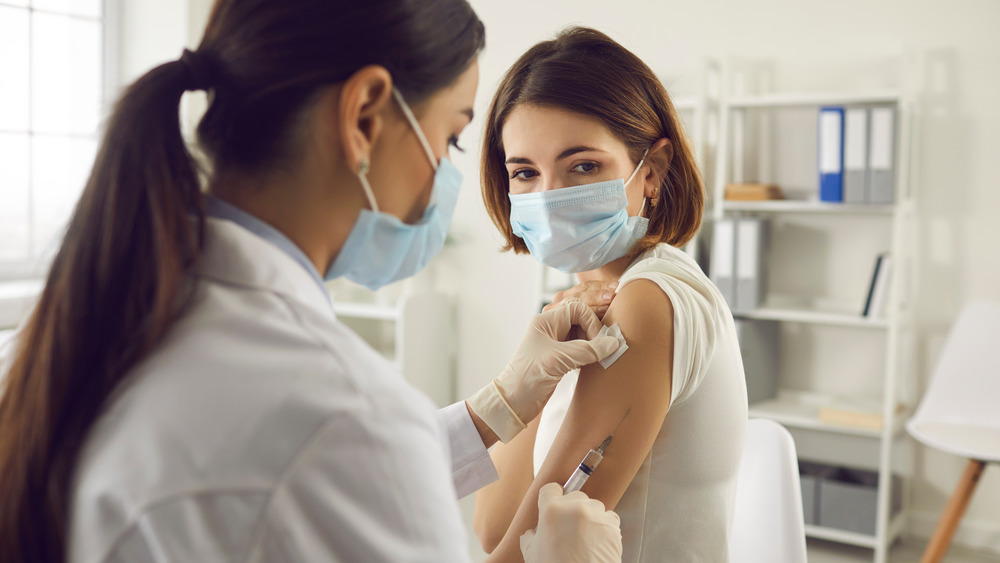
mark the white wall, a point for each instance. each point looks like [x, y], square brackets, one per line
[148, 34]
[958, 173]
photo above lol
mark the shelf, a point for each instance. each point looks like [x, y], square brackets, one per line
[853, 538]
[840, 536]
[811, 317]
[797, 409]
[791, 100]
[366, 311]
[793, 206]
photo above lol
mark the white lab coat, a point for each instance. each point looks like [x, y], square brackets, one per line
[262, 429]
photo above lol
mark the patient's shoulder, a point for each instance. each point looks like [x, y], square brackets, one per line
[645, 316]
[642, 305]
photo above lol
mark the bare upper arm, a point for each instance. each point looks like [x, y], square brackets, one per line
[639, 383]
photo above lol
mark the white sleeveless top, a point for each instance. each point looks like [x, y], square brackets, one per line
[679, 506]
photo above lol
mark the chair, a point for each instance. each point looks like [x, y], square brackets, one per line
[959, 413]
[768, 525]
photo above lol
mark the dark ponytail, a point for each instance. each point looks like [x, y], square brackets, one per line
[122, 275]
[112, 292]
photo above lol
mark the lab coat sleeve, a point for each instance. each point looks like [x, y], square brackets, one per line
[471, 465]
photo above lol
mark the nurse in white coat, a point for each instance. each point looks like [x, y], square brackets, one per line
[184, 391]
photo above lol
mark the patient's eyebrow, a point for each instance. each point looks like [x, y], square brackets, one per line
[519, 160]
[573, 150]
[565, 154]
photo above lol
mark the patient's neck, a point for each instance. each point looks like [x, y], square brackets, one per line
[608, 272]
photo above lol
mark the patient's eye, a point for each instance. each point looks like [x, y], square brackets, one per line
[585, 168]
[523, 174]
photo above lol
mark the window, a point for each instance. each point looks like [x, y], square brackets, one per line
[51, 101]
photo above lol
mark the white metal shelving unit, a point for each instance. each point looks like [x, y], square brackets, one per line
[700, 114]
[414, 330]
[791, 407]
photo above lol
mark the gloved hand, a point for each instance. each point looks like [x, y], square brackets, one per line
[572, 529]
[518, 394]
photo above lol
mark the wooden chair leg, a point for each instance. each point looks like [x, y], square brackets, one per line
[953, 512]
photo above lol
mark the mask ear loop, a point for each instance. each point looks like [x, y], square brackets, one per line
[367, 187]
[416, 127]
[632, 177]
[364, 166]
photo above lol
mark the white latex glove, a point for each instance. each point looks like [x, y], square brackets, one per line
[572, 529]
[518, 394]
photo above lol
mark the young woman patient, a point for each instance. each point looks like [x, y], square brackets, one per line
[586, 167]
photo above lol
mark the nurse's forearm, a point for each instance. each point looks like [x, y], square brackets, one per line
[485, 432]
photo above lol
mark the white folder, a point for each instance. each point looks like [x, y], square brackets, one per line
[856, 155]
[749, 263]
[881, 156]
[722, 265]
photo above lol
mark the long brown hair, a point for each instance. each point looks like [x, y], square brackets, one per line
[585, 71]
[122, 274]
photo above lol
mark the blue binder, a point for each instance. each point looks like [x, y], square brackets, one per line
[831, 154]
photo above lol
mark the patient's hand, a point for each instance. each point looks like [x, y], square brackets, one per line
[596, 294]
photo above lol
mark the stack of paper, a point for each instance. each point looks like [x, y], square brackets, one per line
[856, 412]
[753, 192]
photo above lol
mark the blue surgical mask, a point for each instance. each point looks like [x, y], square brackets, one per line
[579, 228]
[381, 248]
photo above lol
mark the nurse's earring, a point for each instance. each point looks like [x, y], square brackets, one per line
[363, 168]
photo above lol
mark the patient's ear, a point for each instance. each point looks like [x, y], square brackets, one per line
[658, 160]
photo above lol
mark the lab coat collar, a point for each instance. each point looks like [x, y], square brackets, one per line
[235, 256]
[220, 209]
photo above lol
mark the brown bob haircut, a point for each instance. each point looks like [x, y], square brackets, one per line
[584, 71]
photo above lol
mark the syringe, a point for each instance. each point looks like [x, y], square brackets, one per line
[590, 462]
[586, 467]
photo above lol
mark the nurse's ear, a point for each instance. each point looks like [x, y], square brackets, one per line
[360, 113]
[661, 153]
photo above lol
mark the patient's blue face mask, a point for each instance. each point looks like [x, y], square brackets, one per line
[381, 248]
[579, 228]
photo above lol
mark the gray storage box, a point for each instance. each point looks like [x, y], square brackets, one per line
[810, 477]
[848, 500]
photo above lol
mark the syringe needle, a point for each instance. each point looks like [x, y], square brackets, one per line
[607, 441]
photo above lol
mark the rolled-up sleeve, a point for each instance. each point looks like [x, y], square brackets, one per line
[471, 465]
